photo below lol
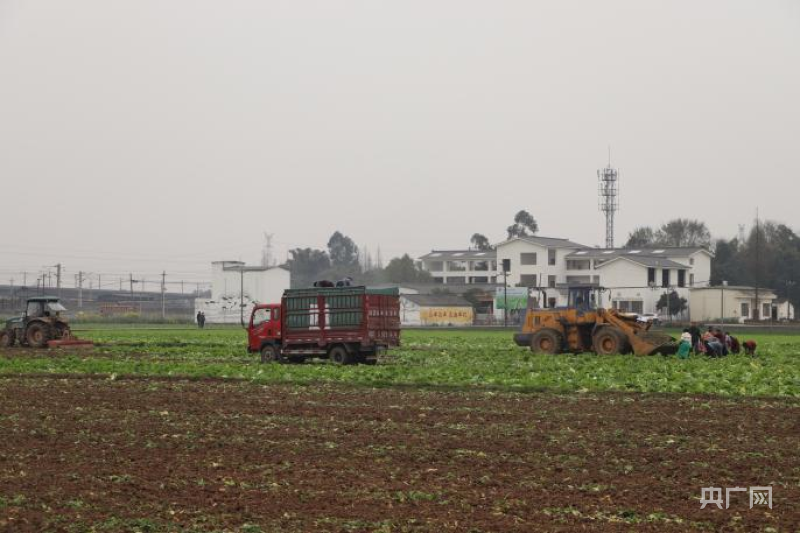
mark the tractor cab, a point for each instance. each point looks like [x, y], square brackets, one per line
[584, 298]
[44, 307]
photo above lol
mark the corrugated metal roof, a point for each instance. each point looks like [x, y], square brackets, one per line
[449, 255]
[610, 253]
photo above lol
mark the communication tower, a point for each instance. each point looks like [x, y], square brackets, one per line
[608, 188]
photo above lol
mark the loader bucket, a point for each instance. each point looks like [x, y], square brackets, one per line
[649, 343]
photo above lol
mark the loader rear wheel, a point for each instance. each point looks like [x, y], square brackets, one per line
[7, 338]
[340, 356]
[38, 334]
[547, 341]
[610, 341]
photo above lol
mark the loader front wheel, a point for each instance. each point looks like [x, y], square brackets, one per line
[610, 341]
[548, 341]
[38, 334]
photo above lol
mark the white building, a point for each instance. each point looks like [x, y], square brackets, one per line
[461, 267]
[633, 280]
[737, 303]
[235, 286]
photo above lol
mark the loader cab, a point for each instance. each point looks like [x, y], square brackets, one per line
[582, 298]
[264, 327]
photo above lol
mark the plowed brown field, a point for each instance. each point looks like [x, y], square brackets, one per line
[171, 455]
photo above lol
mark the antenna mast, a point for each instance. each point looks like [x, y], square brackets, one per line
[608, 189]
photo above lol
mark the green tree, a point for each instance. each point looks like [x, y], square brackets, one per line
[480, 242]
[306, 265]
[403, 270]
[672, 302]
[683, 232]
[342, 251]
[641, 237]
[523, 226]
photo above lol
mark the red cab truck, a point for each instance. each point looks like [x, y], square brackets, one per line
[344, 324]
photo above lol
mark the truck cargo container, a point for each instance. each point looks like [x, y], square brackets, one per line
[345, 324]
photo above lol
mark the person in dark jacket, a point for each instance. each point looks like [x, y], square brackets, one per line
[201, 319]
[694, 331]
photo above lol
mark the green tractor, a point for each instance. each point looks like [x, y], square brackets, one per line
[42, 325]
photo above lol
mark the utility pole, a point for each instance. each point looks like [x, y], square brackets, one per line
[58, 279]
[722, 301]
[131, 280]
[163, 292]
[181, 286]
[506, 267]
[241, 295]
[80, 289]
[757, 310]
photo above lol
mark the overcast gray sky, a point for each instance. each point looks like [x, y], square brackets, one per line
[153, 134]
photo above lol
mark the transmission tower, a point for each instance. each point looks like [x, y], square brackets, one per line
[608, 189]
[266, 251]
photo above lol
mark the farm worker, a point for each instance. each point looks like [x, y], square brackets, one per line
[749, 347]
[712, 344]
[201, 319]
[685, 345]
[695, 333]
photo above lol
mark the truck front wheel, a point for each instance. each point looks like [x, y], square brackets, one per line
[340, 356]
[270, 354]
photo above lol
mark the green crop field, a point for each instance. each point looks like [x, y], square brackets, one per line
[437, 359]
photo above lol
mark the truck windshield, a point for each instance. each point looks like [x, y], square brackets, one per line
[261, 315]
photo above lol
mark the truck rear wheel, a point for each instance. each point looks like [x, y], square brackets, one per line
[340, 356]
[547, 341]
[270, 354]
[7, 338]
[610, 341]
[38, 334]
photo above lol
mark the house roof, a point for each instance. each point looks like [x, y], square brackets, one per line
[449, 255]
[647, 261]
[610, 253]
[764, 290]
[547, 242]
[437, 300]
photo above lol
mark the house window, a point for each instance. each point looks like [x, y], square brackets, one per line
[457, 266]
[551, 302]
[436, 266]
[578, 279]
[651, 277]
[528, 280]
[681, 278]
[579, 264]
[745, 310]
[551, 282]
[766, 311]
[479, 279]
[691, 261]
[494, 265]
[691, 280]
[438, 279]
[528, 258]
[480, 266]
[665, 277]
[629, 306]
[458, 280]
[596, 280]
[551, 257]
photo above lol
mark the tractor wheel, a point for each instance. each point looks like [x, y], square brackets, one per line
[547, 341]
[38, 334]
[270, 354]
[340, 356]
[7, 338]
[610, 341]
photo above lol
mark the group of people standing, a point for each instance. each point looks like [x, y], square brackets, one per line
[201, 319]
[714, 342]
